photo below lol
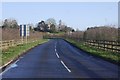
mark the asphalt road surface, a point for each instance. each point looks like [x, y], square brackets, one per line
[58, 59]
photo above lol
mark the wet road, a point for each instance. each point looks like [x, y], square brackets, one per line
[58, 59]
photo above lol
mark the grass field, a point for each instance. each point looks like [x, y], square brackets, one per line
[109, 56]
[13, 52]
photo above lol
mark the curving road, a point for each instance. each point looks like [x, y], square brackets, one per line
[58, 59]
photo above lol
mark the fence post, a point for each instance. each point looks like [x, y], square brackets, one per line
[12, 42]
[1, 44]
[112, 43]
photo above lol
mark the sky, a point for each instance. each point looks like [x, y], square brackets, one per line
[75, 14]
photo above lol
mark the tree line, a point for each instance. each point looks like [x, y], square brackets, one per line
[108, 33]
[9, 23]
[49, 25]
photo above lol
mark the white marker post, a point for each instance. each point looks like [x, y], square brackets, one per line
[21, 32]
[24, 31]
[27, 32]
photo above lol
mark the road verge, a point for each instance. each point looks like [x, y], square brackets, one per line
[108, 56]
[10, 55]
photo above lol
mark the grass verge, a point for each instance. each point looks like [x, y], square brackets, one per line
[13, 52]
[109, 56]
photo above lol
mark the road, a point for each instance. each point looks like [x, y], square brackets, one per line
[58, 59]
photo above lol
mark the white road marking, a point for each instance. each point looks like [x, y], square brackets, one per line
[21, 57]
[9, 67]
[61, 60]
[16, 61]
[13, 65]
[55, 46]
[5, 71]
[65, 66]
[55, 50]
[57, 55]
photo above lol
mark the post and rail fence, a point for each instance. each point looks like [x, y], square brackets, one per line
[9, 43]
[113, 46]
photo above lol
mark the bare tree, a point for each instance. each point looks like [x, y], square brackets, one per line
[101, 33]
[10, 23]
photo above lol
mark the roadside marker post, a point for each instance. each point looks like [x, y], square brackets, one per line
[21, 32]
[24, 32]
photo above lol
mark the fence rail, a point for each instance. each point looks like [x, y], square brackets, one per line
[10, 43]
[113, 46]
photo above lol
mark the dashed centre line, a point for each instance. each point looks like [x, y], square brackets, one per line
[55, 50]
[65, 66]
[57, 55]
[61, 60]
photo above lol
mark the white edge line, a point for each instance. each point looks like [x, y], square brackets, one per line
[65, 66]
[6, 64]
[16, 61]
[9, 67]
[5, 70]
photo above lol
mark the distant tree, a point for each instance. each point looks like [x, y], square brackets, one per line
[60, 22]
[77, 29]
[63, 27]
[31, 26]
[51, 21]
[51, 25]
[1, 23]
[73, 30]
[101, 33]
[41, 26]
[10, 23]
[88, 28]
[84, 35]
[52, 28]
[6, 23]
[119, 34]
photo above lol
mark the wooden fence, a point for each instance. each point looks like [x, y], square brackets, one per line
[113, 46]
[10, 43]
